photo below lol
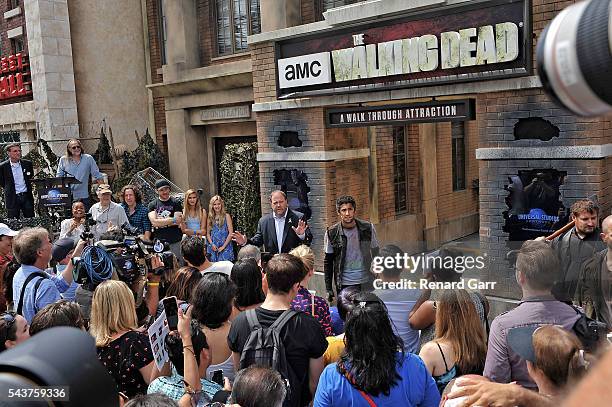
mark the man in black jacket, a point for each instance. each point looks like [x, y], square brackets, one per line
[15, 179]
[575, 247]
[595, 284]
[350, 246]
[280, 231]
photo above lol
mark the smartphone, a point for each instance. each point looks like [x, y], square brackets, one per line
[217, 377]
[171, 308]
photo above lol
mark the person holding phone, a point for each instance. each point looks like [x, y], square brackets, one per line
[184, 345]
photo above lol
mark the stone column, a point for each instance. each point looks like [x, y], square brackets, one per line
[183, 36]
[50, 53]
[429, 171]
[277, 14]
[188, 164]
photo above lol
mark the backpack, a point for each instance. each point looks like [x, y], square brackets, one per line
[264, 347]
[590, 332]
[23, 288]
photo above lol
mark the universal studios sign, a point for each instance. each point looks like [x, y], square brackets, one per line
[437, 48]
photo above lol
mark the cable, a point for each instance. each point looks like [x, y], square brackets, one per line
[98, 264]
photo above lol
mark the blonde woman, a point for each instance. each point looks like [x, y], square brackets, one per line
[460, 344]
[125, 352]
[194, 216]
[304, 300]
[220, 229]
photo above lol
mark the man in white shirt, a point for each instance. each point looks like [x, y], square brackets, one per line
[108, 215]
[15, 179]
[280, 231]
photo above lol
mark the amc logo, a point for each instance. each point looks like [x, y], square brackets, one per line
[311, 69]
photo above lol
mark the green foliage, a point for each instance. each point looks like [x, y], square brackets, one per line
[103, 153]
[147, 154]
[240, 185]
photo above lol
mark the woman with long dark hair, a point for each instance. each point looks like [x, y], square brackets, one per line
[247, 276]
[375, 370]
[212, 301]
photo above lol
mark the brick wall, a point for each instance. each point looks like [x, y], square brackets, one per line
[308, 123]
[455, 204]
[13, 22]
[385, 170]
[154, 30]
[6, 48]
[413, 157]
[308, 9]
[264, 72]
[498, 113]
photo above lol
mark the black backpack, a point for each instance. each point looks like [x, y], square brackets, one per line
[590, 332]
[264, 347]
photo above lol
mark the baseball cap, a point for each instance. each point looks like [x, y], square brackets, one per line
[160, 183]
[103, 189]
[61, 248]
[521, 341]
[6, 231]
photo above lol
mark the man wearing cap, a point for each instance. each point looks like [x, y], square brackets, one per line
[537, 268]
[15, 179]
[6, 256]
[108, 215]
[165, 214]
[61, 253]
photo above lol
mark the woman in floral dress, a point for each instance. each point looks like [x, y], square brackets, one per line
[220, 229]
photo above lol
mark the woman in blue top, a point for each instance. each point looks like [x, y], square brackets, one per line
[375, 370]
[220, 231]
[81, 166]
[194, 216]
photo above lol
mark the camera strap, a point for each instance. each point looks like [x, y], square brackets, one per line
[23, 288]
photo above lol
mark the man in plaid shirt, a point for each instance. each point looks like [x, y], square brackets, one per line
[137, 213]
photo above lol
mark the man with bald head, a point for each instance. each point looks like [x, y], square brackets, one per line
[280, 231]
[594, 291]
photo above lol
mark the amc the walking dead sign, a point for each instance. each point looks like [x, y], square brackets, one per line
[484, 41]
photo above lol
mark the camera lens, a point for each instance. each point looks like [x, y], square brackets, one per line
[574, 58]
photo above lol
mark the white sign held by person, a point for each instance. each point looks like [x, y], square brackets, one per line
[157, 336]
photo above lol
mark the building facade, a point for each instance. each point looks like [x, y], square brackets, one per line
[85, 66]
[429, 113]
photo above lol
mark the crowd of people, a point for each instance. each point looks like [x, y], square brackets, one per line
[251, 333]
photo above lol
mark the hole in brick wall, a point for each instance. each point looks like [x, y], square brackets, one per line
[293, 183]
[289, 139]
[535, 128]
[534, 207]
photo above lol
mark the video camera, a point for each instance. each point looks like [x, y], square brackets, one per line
[132, 256]
[87, 224]
[129, 255]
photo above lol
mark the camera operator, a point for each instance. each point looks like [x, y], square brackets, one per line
[108, 215]
[33, 288]
[61, 254]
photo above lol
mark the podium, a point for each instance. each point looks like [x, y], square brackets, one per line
[54, 195]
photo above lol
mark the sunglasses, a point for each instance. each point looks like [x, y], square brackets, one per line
[75, 148]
